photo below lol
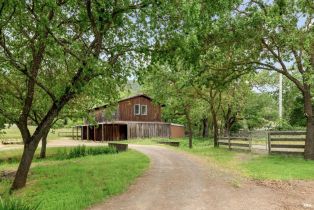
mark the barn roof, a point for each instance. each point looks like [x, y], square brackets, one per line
[135, 96]
[124, 99]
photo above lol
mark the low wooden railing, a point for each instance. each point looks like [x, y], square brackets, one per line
[236, 142]
[73, 135]
[287, 142]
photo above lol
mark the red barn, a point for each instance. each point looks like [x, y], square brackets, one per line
[134, 117]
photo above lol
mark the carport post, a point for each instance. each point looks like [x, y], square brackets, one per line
[87, 127]
[94, 133]
[250, 142]
[102, 132]
[268, 143]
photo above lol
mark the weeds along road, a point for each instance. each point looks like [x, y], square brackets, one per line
[179, 181]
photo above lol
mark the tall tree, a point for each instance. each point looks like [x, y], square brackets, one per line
[169, 84]
[58, 48]
[278, 36]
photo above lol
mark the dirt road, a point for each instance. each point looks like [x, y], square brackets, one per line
[179, 181]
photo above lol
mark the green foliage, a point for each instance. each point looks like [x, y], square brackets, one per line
[81, 151]
[296, 117]
[15, 204]
[283, 125]
[260, 110]
[236, 127]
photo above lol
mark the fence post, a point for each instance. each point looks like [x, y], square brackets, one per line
[250, 142]
[102, 132]
[218, 141]
[269, 143]
[229, 143]
[77, 132]
[87, 132]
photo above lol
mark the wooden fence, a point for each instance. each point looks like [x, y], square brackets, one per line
[287, 142]
[236, 142]
[75, 133]
[148, 130]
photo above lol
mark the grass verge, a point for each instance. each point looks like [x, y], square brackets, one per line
[256, 166]
[74, 184]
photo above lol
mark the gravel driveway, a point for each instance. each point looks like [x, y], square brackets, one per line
[179, 181]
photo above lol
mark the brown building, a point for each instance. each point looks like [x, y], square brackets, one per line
[133, 117]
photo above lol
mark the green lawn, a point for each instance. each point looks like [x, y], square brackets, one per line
[13, 133]
[257, 166]
[279, 167]
[80, 182]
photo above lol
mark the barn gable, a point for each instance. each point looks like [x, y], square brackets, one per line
[135, 108]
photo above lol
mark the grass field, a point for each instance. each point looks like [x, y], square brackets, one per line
[13, 133]
[257, 166]
[74, 184]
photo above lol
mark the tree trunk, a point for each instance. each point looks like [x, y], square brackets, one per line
[24, 166]
[205, 127]
[44, 144]
[228, 124]
[188, 118]
[226, 130]
[230, 119]
[215, 126]
[308, 109]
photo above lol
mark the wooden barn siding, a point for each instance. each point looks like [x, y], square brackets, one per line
[126, 110]
[84, 132]
[148, 130]
[109, 132]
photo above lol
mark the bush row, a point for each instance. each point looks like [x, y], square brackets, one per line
[81, 151]
[15, 204]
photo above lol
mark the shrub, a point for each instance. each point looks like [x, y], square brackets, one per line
[78, 151]
[81, 151]
[101, 150]
[13, 204]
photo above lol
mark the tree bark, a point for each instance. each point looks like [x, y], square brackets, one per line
[230, 119]
[215, 126]
[308, 110]
[205, 128]
[188, 118]
[44, 144]
[24, 166]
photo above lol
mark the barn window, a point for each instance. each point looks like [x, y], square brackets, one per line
[137, 110]
[144, 110]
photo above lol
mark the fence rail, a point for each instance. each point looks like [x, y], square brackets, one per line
[236, 142]
[287, 142]
[71, 134]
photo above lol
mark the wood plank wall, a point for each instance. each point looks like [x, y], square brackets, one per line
[148, 130]
[126, 110]
[111, 132]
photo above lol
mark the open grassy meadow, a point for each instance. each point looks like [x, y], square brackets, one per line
[73, 183]
[13, 133]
